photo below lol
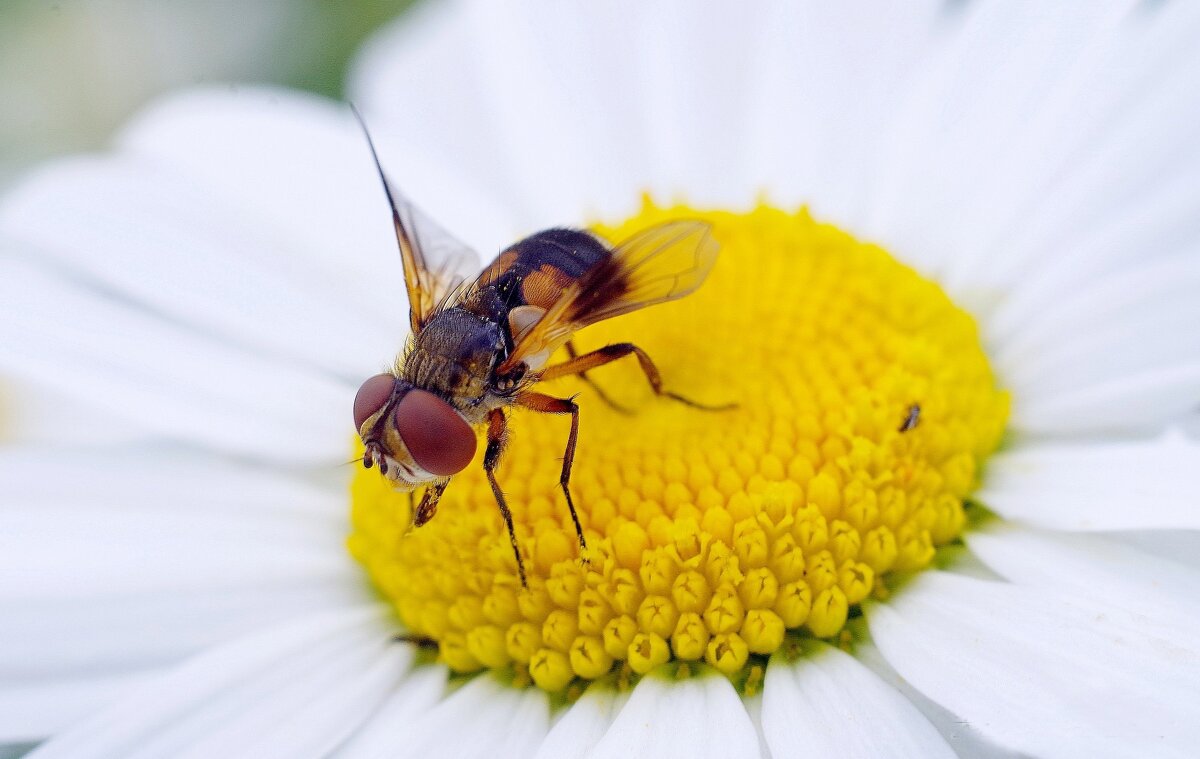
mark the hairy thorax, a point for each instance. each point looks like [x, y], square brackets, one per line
[453, 356]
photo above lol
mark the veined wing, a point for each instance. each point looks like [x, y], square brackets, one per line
[659, 264]
[436, 264]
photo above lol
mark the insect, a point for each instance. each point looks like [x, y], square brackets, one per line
[481, 341]
[912, 418]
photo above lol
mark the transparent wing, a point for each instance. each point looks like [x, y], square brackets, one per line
[659, 264]
[435, 263]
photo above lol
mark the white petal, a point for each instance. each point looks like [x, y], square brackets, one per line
[32, 413]
[1109, 143]
[1042, 674]
[126, 564]
[157, 478]
[65, 553]
[1180, 546]
[1097, 486]
[418, 81]
[754, 707]
[483, 718]
[85, 638]
[166, 379]
[563, 148]
[692, 68]
[994, 69]
[413, 697]
[151, 236]
[1092, 566]
[1069, 366]
[62, 544]
[288, 692]
[301, 165]
[696, 717]
[312, 719]
[583, 724]
[1140, 399]
[571, 114]
[33, 710]
[1088, 104]
[827, 704]
[962, 736]
[826, 83]
[1103, 275]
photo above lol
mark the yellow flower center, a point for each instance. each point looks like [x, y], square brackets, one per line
[865, 407]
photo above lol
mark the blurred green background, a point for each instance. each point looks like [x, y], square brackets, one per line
[72, 71]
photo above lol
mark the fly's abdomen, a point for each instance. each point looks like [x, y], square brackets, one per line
[536, 270]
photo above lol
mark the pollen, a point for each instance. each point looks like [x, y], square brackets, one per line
[865, 408]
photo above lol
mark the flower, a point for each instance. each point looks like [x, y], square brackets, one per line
[710, 534]
[192, 313]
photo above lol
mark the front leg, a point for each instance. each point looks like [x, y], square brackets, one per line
[550, 405]
[497, 427]
[429, 503]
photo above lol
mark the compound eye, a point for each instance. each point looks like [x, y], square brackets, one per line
[371, 396]
[438, 438]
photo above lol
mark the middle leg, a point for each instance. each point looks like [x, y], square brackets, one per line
[573, 354]
[550, 405]
[610, 353]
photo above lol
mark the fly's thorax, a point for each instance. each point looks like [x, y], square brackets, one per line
[453, 357]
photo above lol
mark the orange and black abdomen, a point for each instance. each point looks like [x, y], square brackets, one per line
[534, 271]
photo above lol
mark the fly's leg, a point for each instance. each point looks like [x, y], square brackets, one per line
[497, 427]
[610, 353]
[574, 354]
[429, 503]
[551, 405]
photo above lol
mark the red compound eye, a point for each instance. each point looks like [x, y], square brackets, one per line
[438, 438]
[371, 396]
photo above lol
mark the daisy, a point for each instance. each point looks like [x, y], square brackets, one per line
[950, 516]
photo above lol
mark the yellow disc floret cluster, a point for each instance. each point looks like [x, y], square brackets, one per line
[865, 408]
